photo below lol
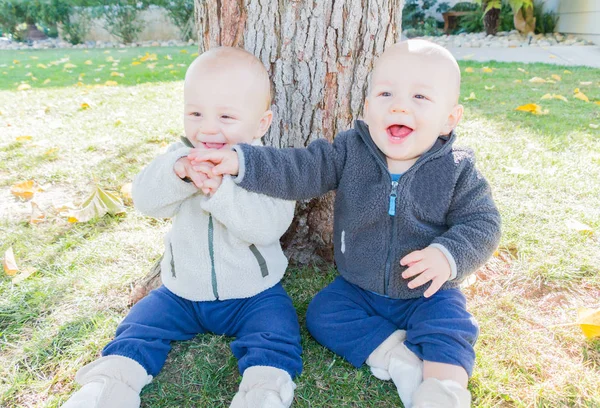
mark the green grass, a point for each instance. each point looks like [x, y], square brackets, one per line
[49, 68]
[544, 171]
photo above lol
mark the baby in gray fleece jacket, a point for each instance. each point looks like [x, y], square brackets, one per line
[412, 218]
[223, 262]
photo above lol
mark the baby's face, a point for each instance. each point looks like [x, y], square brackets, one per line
[223, 108]
[411, 101]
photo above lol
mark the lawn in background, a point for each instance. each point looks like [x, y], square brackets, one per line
[544, 171]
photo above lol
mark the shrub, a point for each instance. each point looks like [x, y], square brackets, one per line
[545, 22]
[181, 13]
[415, 22]
[122, 18]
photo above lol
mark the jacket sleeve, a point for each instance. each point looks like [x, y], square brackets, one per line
[251, 217]
[473, 219]
[292, 173]
[157, 191]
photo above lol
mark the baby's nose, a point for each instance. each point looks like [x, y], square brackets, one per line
[398, 107]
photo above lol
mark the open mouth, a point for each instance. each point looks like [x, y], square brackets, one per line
[209, 145]
[397, 133]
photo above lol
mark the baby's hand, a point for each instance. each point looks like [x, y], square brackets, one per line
[184, 170]
[224, 161]
[212, 183]
[431, 265]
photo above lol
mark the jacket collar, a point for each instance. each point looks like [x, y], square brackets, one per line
[442, 145]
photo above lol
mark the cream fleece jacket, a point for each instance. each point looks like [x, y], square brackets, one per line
[220, 247]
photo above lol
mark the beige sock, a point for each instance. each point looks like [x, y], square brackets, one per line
[433, 393]
[264, 387]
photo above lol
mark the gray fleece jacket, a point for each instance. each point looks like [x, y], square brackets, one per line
[442, 201]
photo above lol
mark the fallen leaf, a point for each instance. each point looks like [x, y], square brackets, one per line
[566, 71]
[580, 95]
[151, 66]
[533, 108]
[47, 81]
[487, 69]
[471, 279]
[100, 202]
[469, 70]
[489, 88]
[523, 71]
[114, 73]
[23, 138]
[556, 77]
[579, 227]
[37, 215]
[42, 66]
[16, 62]
[88, 62]
[586, 83]
[111, 83]
[51, 151]
[551, 56]
[23, 87]
[517, 81]
[9, 263]
[168, 57]
[68, 65]
[126, 192]
[555, 96]
[85, 106]
[537, 80]
[23, 275]
[183, 51]
[148, 57]
[135, 63]
[25, 190]
[594, 126]
[471, 97]
[589, 321]
[597, 102]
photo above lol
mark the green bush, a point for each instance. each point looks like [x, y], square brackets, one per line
[473, 23]
[545, 22]
[122, 18]
[415, 22]
[181, 13]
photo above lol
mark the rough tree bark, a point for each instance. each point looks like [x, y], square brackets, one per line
[318, 54]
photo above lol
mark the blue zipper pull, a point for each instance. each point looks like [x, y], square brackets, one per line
[392, 209]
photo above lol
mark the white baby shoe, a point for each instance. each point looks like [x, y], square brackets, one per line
[109, 382]
[433, 393]
[264, 387]
[393, 360]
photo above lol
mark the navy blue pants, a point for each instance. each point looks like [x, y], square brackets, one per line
[352, 322]
[265, 327]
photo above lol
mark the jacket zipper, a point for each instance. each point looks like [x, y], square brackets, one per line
[211, 252]
[391, 213]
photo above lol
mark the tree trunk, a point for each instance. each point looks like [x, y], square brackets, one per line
[318, 54]
[491, 21]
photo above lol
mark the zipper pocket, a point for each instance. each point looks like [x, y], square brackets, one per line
[264, 270]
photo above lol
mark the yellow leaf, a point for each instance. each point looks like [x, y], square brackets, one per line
[556, 77]
[37, 215]
[42, 66]
[51, 151]
[23, 138]
[489, 88]
[517, 81]
[170, 66]
[580, 95]
[471, 97]
[469, 69]
[107, 52]
[114, 74]
[100, 202]
[173, 71]
[555, 96]
[68, 65]
[23, 87]
[168, 57]
[47, 81]
[126, 192]
[183, 51]
[33, 57]
[111, 83]
[25, 190]
[148, 57]
[135, 63]
[85, 106]
[16, 62]
[9, 263]
[465, 57]
[522, 70]
[151, 66]
[23, 275]
[537, 80]
[110, 59]
[566, 71]
[589, 321]
[594, 126]
[487, 69]
[88, 62]
[532, 108]
[551, 56]
[579, 227]
[586, 83]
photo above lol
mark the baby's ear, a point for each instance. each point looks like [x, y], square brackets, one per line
[264, 124]
[453, 119]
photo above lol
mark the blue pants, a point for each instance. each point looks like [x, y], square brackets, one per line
[352, 322]
[265, 327]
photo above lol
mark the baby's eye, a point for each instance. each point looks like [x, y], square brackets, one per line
[385, 94]
[197, 114]
[227, 117]
[419, 96]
